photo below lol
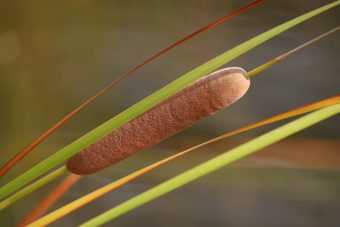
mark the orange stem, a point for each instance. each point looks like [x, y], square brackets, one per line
[50, 199]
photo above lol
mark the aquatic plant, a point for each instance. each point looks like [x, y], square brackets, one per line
[151, 101]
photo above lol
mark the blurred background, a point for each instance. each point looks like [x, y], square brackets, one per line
[56, 54]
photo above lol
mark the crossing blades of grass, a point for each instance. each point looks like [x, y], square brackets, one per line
[152, 100]
[32, 187]
[50, 199]
[310, 107]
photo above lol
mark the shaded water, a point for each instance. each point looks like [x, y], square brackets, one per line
[55, 54]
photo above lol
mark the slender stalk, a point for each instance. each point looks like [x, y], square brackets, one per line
[152, 100]
[50, 199]
[32, 187]
[61, 212]
[212, 165]
[21, 154]
[282, 57]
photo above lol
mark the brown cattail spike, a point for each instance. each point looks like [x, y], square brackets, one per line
[186, 108]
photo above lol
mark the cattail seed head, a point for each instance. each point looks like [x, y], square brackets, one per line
[181, 110]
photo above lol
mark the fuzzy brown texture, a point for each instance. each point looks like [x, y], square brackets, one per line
[185, 108]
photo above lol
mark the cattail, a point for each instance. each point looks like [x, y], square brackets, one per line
[181, 110]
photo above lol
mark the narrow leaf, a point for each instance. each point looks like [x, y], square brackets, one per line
[32, 187]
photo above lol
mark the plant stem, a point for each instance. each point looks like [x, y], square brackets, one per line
[50, 199]
[282, 57]
[32, 187]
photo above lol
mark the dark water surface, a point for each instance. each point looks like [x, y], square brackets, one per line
[56, 54]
